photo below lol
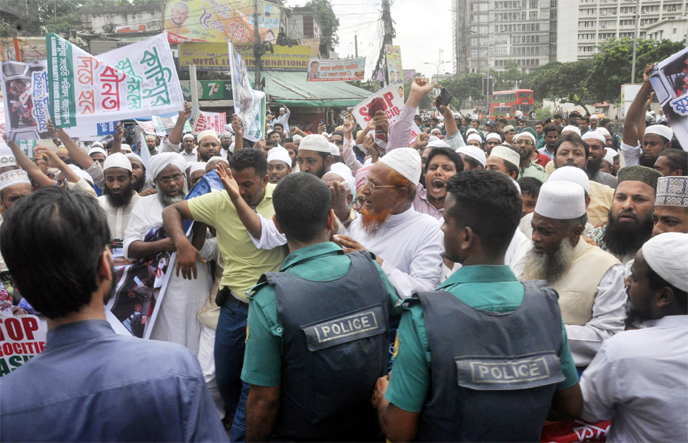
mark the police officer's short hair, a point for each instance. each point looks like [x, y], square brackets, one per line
[302, 204]
[489, 203]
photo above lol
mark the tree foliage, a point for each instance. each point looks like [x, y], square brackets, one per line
[464, 88]
[328, 20]
[566, 82]
[508, 79]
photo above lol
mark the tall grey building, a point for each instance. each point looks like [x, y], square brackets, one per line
[487, 33]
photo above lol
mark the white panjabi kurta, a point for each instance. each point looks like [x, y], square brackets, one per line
[117, 218]
[176, 321]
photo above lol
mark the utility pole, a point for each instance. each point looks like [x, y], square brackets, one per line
[257, 46]
[389, 33]
[635, 38]
[356, 44]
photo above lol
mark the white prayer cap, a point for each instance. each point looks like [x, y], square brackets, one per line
[131, 155]
[661, 130]
[125, 147]
[297, 138]
[494, 136]
[406, 161]
[438, 144]
[593, 117]
[470, 131]
[315, 142]
[214, 161]
[6, 156]
[672, 191]
[197, 166]
[571, 129]
[507, 154]
[226, 134]
[474, 152]
[97, 150]
[561, 200]
[163, 160]
[432, 138]
[83, 174]
[97, 145]
[189, 136]
[594, 135]
[14, 177]
[475, 137]
[508, 128]
[571, 174]
[334, 150]
[208, 133]
[117, 160]
[344, 172]
[279, 154]
[667, 255]
[151, 137]
[603, 131]
[609, 155]
[525, 134]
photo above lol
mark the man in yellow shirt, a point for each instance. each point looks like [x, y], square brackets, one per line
[244, 264]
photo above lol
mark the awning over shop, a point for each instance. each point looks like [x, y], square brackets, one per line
[291, 89]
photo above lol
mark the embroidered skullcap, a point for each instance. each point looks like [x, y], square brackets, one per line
[571, 129]
[344, 172]
[406, 161]
[667, 255]
[571, 174]
[561, 200]
[6, 156]
[208, 133]
[362, 175]
[97, 150]
[475, 137]
[494, 136]
[507, 154]
[474, 152]
[661, 130]
[117, 160]
[279, 154]
[639, 173]
[14, 177]
[672, 191]
[163, 160]
[315, 142]
[197, 166]
[594, 135]
[438, 144]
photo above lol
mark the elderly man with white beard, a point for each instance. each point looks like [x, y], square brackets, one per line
[176, 321]
[589, 281]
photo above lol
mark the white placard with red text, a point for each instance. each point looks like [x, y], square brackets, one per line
[394, 103]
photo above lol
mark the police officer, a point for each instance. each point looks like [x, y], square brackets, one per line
[318, 335]
[485, 357]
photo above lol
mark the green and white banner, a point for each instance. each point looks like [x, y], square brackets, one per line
[249, 105]
[138, 80]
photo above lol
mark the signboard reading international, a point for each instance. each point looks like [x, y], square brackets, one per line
[135, 81]
[345, 70]
[215, 57]
[220, 21]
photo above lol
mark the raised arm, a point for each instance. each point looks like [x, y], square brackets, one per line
[57, 162]
[348, 147]
[631, 135]
[643, 121]
[419, 88]
[248, 217]
[80, 157]
[176, 136]
[117, 141]
[29, 166]
[238, 133]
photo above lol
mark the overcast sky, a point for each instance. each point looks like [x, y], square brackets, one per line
[422, 27]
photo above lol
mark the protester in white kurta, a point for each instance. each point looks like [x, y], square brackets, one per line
[117, 216]
[639, 378]
[176, 321]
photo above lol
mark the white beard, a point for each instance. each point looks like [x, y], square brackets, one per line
[548, 266]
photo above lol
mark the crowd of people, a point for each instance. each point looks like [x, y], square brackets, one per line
[360, 285]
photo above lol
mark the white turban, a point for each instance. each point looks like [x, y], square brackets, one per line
[97, 150]
[197, 166]
[571, 174]
[561, 200]
[15, 177]
[474, 152]
[279, 154]
[81, 173]
[661, 130]
[494, 136]
[475, 137]
[163, 160]
[406, 161]
[315, 142]
[507, 154]
[344, 172]
[594, 135]
[438, 144]
[667, 255]
[571, 129]
[117, 160]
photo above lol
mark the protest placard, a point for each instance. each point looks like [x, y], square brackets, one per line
[138, 80]
[24, 87]
[351, 69]
[249, 105]
[394, 103]
[211, 120]
[669, 80]
[21, 338]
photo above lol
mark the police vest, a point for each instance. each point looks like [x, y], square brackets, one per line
[493, 374]
[335, 346]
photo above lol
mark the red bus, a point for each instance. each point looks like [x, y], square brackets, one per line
[506, 103]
